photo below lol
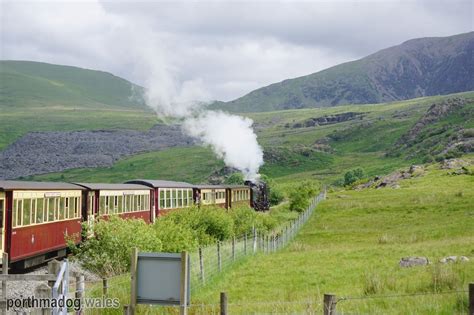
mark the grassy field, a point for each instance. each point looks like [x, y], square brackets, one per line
[351, 247]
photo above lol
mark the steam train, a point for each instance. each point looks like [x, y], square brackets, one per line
[37, 217]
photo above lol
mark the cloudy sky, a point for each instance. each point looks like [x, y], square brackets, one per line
[217, 49]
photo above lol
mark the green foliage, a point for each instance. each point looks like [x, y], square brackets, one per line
[354, 175]
[299, 196]
[208, 224]
[235, 179]
[276, 196]
[107, 252]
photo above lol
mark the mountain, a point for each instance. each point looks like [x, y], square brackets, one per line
[27, 83]
[416, 68]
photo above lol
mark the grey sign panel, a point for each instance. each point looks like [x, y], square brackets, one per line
[159, 278]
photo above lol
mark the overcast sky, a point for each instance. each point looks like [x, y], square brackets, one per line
[218, 49]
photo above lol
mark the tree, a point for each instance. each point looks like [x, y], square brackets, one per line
[235, 179]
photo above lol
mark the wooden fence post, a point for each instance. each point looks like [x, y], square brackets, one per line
[223, 303]
[54, 267]
[471, 298]
[133, 281]
[80, 286]
[219, 262]
[329, 304]
[183, 310]
[104, 286]
[201, 265]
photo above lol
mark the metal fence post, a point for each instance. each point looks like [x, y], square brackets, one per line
[219, 262]
[201, 265]
[245, 244]
[80, 290]
[233, 248]
[4, 283]
[254, 240]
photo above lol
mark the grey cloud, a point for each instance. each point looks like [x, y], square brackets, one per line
[230, 47]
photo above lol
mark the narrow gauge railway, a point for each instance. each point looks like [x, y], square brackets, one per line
[37, 217]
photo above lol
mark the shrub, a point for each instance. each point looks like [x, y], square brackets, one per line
[207, 224]
[354, 175]
[174, 238]
[299, 197]
[108, 251]
[235, 179]
[276, 196]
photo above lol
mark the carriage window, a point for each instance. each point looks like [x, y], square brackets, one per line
[39, 210]
[50, 202]
[139, 202]
[70, 207]
[168, 198]
[162, 199]
[129, 203]
[91, 204]
[26, 212]
[119, 204]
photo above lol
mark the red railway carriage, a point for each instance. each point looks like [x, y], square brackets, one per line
[211, 195]
[238, 195]
[124, 200]
[36, 217]
[168, 195]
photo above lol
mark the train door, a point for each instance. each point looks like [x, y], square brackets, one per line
[2, 218]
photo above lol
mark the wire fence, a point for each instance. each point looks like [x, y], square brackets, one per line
[207, 262]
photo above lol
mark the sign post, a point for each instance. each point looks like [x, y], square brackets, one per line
[160, 278]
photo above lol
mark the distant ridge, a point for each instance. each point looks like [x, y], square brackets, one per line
[416, 68]
[29, 83]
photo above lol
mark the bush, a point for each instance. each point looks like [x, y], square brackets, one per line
[276, 196]
[108, 251]
[235, 179]
[352, 176]
[208, 224]
[299, 197]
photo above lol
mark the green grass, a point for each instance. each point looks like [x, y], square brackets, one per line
[191, 164]
[351, 247]
[357, 238]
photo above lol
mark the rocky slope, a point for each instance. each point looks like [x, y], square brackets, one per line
[46, 152]
[418, 67]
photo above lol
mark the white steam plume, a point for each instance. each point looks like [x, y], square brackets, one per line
[231, 137]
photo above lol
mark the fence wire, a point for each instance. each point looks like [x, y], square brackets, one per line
[207, 262]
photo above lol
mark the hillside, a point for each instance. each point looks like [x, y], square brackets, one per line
[416, 68]
[352, 246]
[38, 96]
[27, 83]
[319, 143]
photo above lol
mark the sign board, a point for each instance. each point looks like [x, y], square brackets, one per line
[161, 279]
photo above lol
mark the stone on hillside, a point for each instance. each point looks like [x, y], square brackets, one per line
[453, 164]
[452, 259]
[413, 261]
